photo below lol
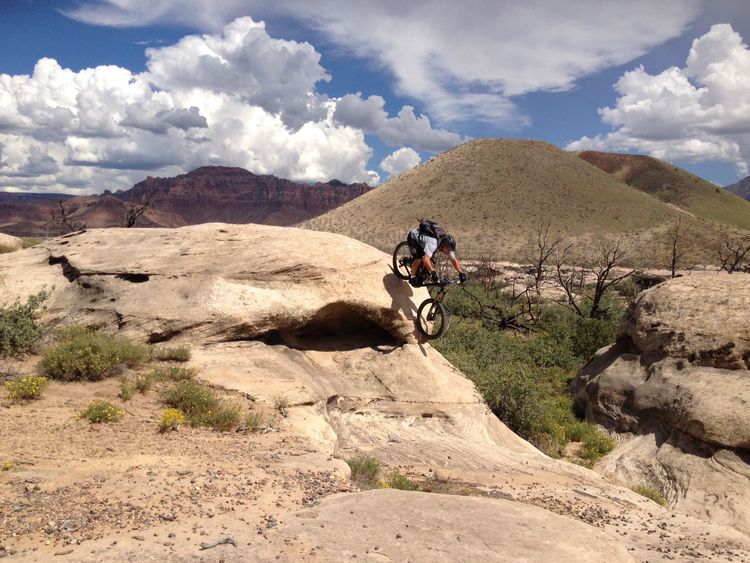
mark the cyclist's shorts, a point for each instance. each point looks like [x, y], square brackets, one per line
[415, 248]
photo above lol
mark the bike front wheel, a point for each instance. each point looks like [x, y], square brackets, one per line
[431, 319]
[402, 261]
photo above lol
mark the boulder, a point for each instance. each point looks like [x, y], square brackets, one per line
[677, 385]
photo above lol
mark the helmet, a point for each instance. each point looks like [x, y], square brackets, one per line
[449, 241]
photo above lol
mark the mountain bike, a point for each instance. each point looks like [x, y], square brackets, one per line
[432, 317]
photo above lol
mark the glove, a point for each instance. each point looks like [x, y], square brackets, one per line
[434, 276]
[461, 277]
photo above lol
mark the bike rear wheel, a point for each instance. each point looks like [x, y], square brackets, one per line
[431, 319]
[402, 261]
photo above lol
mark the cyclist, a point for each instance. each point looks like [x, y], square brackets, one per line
[426, 239]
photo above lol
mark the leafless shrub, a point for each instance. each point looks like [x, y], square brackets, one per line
[677, 251]
[484, 271]
[137, 207]
[62, 220]
[578, 297]
[733, 252]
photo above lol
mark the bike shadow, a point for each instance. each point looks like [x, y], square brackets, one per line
[401, 300]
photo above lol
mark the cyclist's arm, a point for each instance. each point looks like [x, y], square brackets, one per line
[456, 263]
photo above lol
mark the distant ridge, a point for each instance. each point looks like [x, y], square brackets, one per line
[675, 186]
[493, 194]
[741, 188]
[206, 194]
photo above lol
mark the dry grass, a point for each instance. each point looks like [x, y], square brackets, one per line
[493, 195]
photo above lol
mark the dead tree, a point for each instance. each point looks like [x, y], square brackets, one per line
[578, 297]
[732, 252]
[137, 207]
[677, 251]
[63, 220]
[544, 250]
[515, 315]
[484, 271]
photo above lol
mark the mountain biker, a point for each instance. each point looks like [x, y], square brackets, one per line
[426, 239]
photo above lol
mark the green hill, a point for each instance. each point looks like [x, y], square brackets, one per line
[675, 186]
[494, 194]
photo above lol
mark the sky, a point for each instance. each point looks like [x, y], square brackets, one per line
[99, 94]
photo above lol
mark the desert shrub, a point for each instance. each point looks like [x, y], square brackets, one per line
[142, 382]
[174, 354]
[595, 442]
[172, 374]
[102, 411]
[652, 493]
[127, 390]
[26, 388]
[396, 480]
[201, 405]
[18, 331]
[171, 420]
[365, 470]
[253, 421]
[82, 353]
[281, 403]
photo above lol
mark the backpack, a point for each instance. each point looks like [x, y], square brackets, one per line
[431, 229]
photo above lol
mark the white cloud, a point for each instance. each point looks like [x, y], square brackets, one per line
[276, 75]
[224, 99]
[462, 60]
[400, 161]
[369, 114]
[697, 113]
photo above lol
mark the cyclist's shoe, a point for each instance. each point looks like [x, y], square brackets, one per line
[414, 281]
[461, 277]
[434, 276]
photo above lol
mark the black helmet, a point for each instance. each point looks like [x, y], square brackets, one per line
[450, 241]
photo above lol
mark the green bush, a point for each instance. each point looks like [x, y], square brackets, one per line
[651, 493]
[18, 331]
[365, 470]
[175, 354]
[102, 411]
[398, 481]
[201, 405]
[127, 390]
[253, 421]
[172, 374]
[26, 388]
[82, 353]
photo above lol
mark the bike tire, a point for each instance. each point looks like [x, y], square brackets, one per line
[401, 252]
[432, 319]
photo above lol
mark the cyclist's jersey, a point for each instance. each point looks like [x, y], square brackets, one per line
[429, 244]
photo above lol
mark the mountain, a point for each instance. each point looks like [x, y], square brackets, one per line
[741, 188]
[207, 194]
[674, 186]
[493, 194]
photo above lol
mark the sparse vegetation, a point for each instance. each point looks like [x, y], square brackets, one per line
[18, 330]
[173, 354]
[396, 480]
[281, 403]
[365, 470]
[26, 388]
[127, 390]
[201, 405]
[253, 421]
[102, 411]
[651, 492]
[172, 374]
[84, 354]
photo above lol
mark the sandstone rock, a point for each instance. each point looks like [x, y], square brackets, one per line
[678, 382]
[9, 242]
[319, 320]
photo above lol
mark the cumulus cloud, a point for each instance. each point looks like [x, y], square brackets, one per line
[696, 113]
[369, 114]
[400, 161]
[462, 60]
[276, 75]
[238, 98]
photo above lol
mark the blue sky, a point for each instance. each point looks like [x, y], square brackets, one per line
[98, 94]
